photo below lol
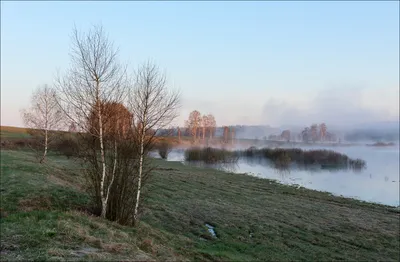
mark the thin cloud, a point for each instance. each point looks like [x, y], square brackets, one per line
[333, 106]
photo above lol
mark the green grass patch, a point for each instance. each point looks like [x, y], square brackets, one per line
[28, 185]
[257, 219]
[40, 217]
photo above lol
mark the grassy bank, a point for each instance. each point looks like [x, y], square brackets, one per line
[43, 217]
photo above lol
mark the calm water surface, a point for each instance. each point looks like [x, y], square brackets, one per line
[379, 182]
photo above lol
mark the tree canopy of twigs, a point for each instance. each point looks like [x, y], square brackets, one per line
[95, 79]
[154, 106]
[44, 117]
[197, 123]
[118, 120]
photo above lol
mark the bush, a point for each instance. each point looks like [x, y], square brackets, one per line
[67, 145]
[283, 157]
[164, 149]
[22, 143]
[283, 160]
[210, 155]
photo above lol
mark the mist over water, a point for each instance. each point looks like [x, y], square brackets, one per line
[378, 182]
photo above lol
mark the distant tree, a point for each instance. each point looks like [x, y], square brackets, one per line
[193, 123]
[44, 116]
[187, 131]
[179, 134]
[226, 134]
[314, 132]
[322, 130]
[205, 125]
[232, 134]
[305, 134]
[212, 124]
[273, 137]
[331, 137]
[285, 135]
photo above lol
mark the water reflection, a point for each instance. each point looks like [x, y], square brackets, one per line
[283, 171]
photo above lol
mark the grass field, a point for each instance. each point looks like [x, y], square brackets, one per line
[10, 132]
[44, 217]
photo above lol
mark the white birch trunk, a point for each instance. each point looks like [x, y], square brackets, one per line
[46, 127]
[114, 170]
[135, 215]
[204, 134]
[45, 145]
[102, 157]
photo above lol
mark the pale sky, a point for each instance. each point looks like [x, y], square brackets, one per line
[266, 63]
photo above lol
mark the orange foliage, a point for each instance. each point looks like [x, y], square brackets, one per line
[116, 120]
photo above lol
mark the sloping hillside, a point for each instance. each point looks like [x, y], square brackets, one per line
[44, 216]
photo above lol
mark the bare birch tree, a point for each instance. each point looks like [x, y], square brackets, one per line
[212, 124]
[225, 138]
[154, 107]
[44, 116]
[95, 78]
[179, 134]
[205, 125]
[193, 123]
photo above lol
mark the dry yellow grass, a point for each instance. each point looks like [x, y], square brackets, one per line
[14, 129]
[104, 237]
[34, 203]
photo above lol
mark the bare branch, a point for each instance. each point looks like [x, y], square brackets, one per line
[95, 79]
[154, 107]
[44, 115]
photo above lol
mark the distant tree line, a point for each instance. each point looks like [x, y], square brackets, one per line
[372, 135]
[201, 129]
[317, 133]
[314, 133]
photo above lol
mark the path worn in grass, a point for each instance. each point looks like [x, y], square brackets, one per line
[254, 219]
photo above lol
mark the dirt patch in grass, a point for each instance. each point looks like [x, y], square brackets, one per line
[3, 214]
[166, 169]
[59, 181]
[34, 203]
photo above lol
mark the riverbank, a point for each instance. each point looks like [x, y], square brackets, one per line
[43, 217]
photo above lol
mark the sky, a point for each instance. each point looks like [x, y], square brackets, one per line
[249, 63]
